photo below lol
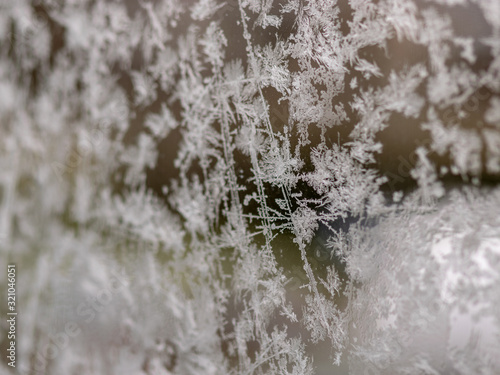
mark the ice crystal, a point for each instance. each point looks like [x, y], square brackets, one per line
[251, 187]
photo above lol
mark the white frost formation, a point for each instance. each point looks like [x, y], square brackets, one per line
[252, 187]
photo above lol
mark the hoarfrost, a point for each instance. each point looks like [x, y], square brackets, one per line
[250, 187]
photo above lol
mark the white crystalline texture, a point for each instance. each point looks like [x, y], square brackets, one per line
[251, 187]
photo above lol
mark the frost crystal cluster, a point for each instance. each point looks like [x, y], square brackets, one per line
[251, 186]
